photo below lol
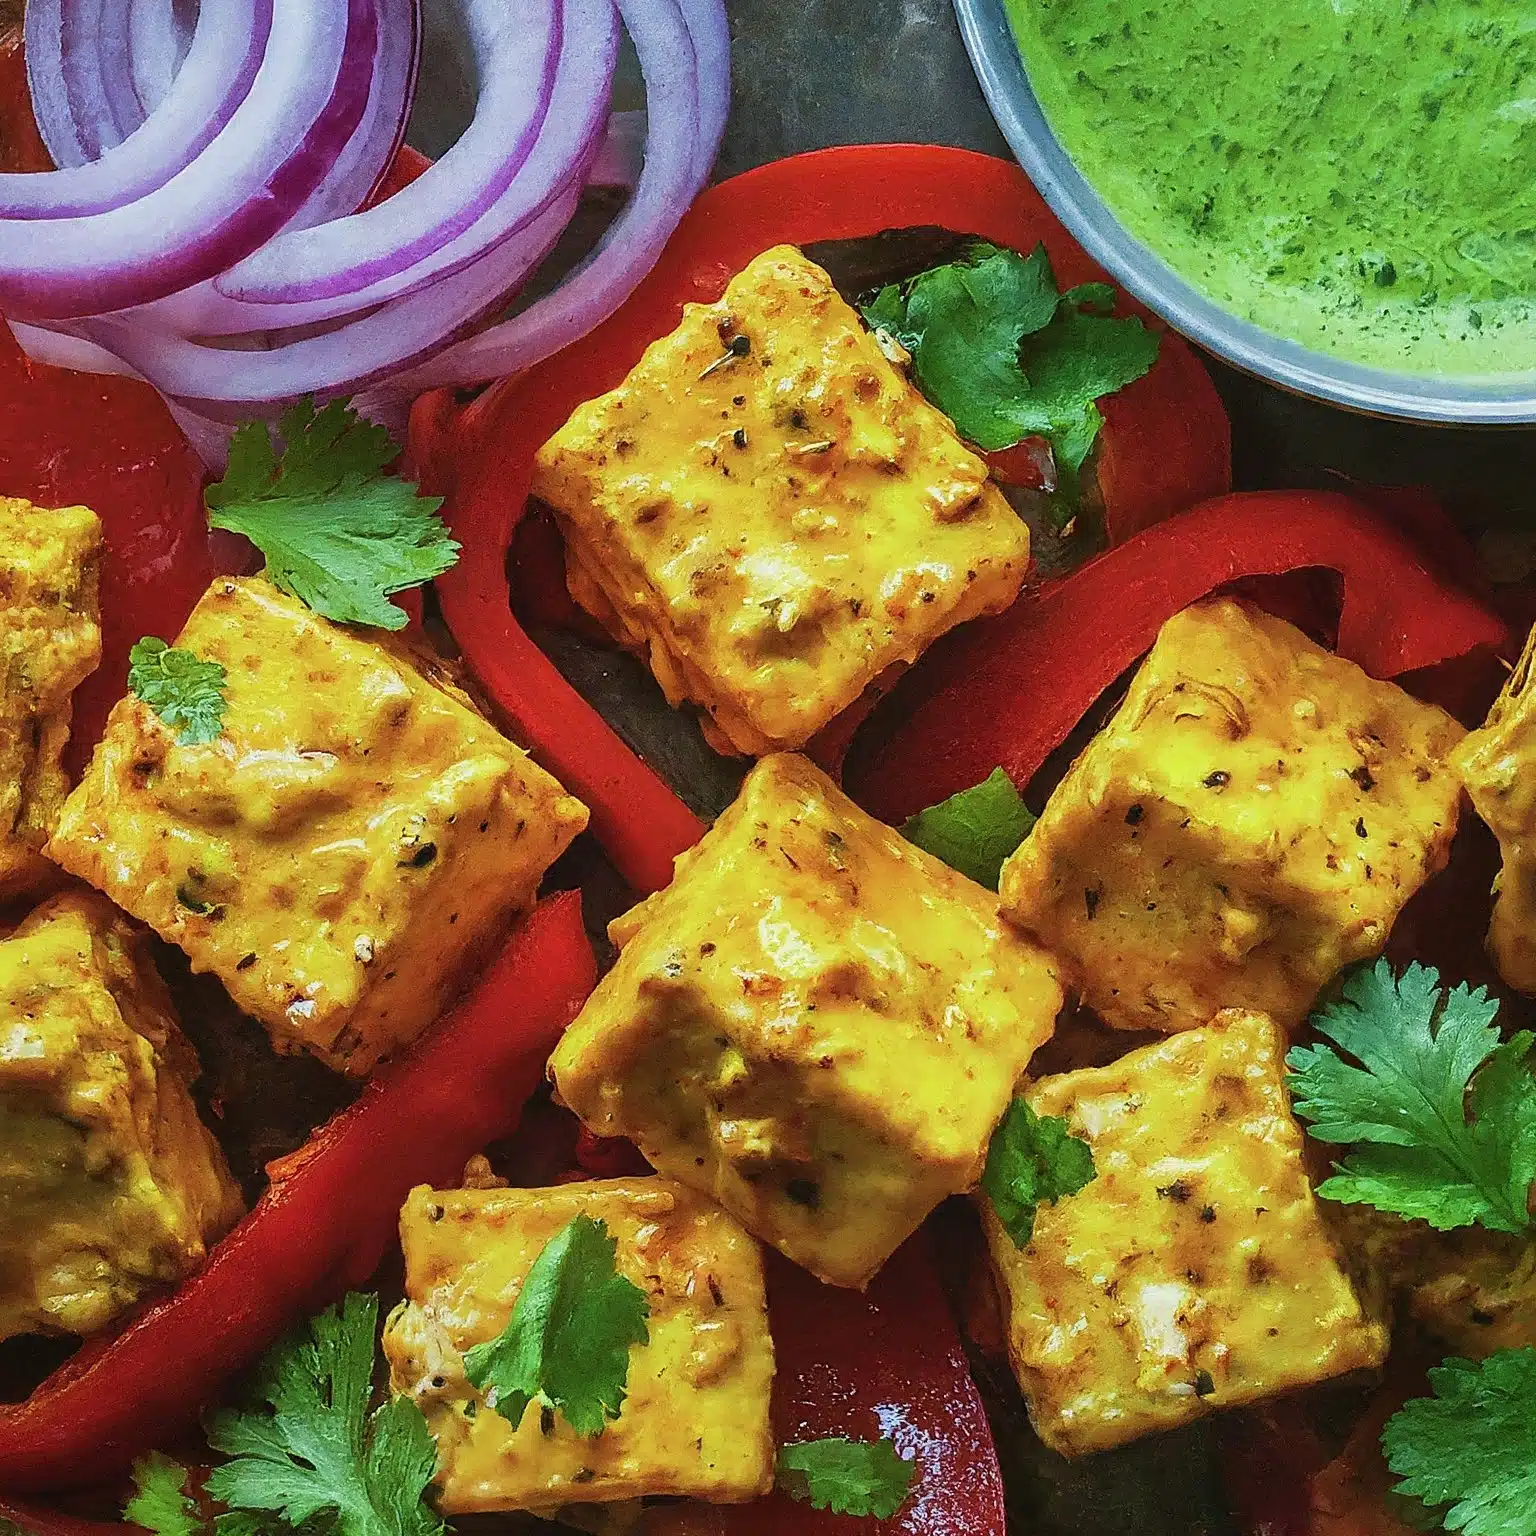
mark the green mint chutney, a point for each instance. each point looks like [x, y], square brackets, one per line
[1358, 175]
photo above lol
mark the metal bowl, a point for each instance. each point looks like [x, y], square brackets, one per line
[1495, 399]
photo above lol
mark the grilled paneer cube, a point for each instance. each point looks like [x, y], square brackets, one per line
[1194, 1270]
[1252, 819]
[772, 514]
[816, 1022]
[109, 1183]
[695, 1418]
[342, 848]
[50, 641]
[1498, 766]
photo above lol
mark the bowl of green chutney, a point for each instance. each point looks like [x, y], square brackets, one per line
[1336, 195]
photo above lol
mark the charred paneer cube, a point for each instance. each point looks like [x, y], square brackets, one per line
[1497, 765]
[339, 853]
[816, 1022]
[1252, 819]
[1194, 1270]
[50, 642]
[694, 1421]
[110, 1185]
[770, 513]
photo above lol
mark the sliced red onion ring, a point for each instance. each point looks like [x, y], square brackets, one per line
[105, 53]
[308, 98]
[159, 37]
[677, 164]
[47, 77]
[225, 56]
[516, 45]
[711, 34]
[622, 152]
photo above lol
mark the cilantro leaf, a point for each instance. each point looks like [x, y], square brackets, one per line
[182, 688]
[1426, 1057]
[314, 1450]
[567, 1342]
[338, 533]
[161, 1503]
[1473, 1444]
[1006, 356]
[848, 1477]
[975, 830]
[1032, 1160]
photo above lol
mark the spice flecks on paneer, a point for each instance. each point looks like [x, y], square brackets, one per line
[110, 1185]
[816, 1022]
[1194, 1271]
[338, 854]
[771, 513]
[695, 1418]
[1497, 764]
[50, 642]
[1252, 820]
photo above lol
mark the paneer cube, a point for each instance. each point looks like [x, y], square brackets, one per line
[110, 1185]
[1252, 819]
[344, 847]
[50, 642]
[816, 1022]
[770, 512]
[1194, 1271]
[695, 1420]
[1497, 764]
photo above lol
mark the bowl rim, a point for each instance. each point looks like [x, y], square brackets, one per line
[1494, 400]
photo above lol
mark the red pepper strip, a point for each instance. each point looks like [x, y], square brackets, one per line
[322, 1226]
[21, 145]
[1007, 691]
[482, 457]
[884, 1362]
[109, 443]
[39, 1521]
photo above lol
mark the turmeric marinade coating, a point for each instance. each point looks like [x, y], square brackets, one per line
[50, 642]
[110, 1185]
[1252, 820]
[338, 853]
[816, 1022]
[1194, 1270]
[695, 1418]
[771, 514]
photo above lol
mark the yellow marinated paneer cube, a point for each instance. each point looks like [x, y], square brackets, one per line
[771, 513]
[110, 1185]
[1194, 1271]
[1498, 766]
[816, 1022]
[694, 1421]
[50, 642]
[342, 848]
[1252, 819]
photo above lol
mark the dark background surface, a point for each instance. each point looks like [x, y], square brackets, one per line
[815, 72]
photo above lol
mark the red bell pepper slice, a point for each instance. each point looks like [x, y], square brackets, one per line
[109, 443]
[887, 1361]
[324, 1223]
[1006, 692]
[1174, 440]
[21, 145]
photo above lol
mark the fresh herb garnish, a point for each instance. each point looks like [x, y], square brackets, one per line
[337, 533]
[1006, 356]
[161, 1502]
[568, 1340]
[848, 1477]
[1472, 1446]
[975, 830]
[1427, 1057]
[313, 1452]
[1033, 1160]
[183, 689]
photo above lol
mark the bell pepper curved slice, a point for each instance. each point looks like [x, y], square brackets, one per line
[886, 1361]
[1006, 692]
[482, 458]
[109, 443]
[324, 1223]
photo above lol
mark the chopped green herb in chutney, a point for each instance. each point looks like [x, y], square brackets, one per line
[1359, 175]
